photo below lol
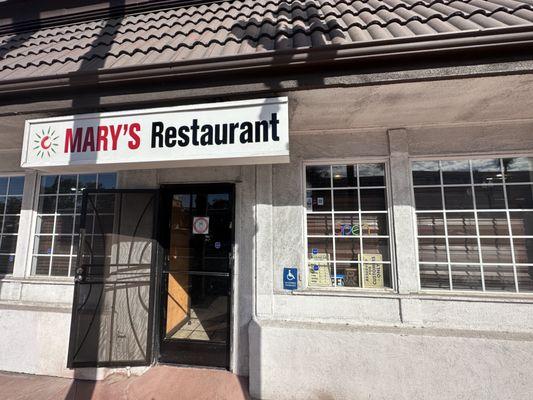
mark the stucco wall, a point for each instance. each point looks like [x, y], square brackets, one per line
[327, 344]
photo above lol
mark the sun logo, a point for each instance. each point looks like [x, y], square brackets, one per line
[45, 143]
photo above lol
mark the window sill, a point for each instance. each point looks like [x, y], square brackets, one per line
[39, 280]
[485, 297]
[35, 306]
[346, 292]
[521, 298]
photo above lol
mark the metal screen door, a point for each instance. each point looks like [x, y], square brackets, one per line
[112, 316]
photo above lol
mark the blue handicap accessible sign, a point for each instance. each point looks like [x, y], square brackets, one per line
[290, 278]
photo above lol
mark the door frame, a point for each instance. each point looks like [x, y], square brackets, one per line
[163, 236]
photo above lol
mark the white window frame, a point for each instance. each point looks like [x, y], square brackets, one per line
[466, 157]
[17, 255]
[389, 213]
[33, 228]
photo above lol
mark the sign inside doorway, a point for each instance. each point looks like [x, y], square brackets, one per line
[200, 225]
[229, 133]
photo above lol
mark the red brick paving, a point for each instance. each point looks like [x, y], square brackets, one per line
[158, 383]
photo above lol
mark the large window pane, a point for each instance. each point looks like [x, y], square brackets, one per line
[11, 189]
[520, 196]
[432, 249]
[522, 223]
[499, 278]
[461, 223]
[347, 249]
[490, 197]
[347, 225]
[378, 247]
[466, 277]
[41, 265]
[318, 176]
[58, 219]
[426, 173]
[13, 204]
[458, 198]
[373, 200]
[319, 224]
[350, 206]
[523, 248]
[496, 250]
[489, 244]
[345, 200]
[49, 184]
[493, 224]
[67, 184]
[16, 185]
[518, 169]
[47, 204]
[11, 224]
[487, 171]
[319, 200]
[344, 176]
[371, 175]
[525, 278]
[463, 250]
[320, 246]
[374, 224]
[455, 172]
[428, 198]
[430, 224]
[87, 182]
[3, 185]
[434, 276]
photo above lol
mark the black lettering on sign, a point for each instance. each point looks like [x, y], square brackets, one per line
[157, 134]
[197, 134]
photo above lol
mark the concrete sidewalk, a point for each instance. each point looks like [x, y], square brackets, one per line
[158, 383]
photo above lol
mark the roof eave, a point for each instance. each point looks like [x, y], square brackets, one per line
[519, 38]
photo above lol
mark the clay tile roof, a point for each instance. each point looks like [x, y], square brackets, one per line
[247, 27]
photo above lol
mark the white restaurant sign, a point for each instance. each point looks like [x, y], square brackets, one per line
[230, 133]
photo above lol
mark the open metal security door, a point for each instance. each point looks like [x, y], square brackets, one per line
[113, 308]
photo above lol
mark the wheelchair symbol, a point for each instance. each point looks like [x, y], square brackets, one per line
[290, 276]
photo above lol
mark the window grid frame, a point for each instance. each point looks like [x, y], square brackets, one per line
[510, 236]
[4, 214]
[388, 212]
[78, 194]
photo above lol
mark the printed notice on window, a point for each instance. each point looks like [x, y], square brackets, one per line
[319, 270]
[372, 270]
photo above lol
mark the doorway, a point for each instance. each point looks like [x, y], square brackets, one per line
[197, 238]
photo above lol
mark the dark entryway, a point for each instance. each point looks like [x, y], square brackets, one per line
[149, 253]
[196, 278]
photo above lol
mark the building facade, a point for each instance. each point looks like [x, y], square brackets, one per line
[375, 242]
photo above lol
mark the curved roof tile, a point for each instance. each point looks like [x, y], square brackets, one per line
[244, 27]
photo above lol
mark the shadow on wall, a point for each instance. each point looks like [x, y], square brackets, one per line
[95, 329]
[95, 59]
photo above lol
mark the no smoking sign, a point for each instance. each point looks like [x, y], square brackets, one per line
[200, 225]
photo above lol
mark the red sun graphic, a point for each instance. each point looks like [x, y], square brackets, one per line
[45, 143]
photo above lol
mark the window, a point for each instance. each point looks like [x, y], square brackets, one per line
[10, 202]
[475, 224]
[58, 219]
[347, 226]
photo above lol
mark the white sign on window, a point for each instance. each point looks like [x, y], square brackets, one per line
[230, 133]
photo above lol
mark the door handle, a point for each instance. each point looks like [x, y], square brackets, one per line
[80, 275]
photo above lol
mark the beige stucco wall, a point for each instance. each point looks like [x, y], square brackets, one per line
[312, 340]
